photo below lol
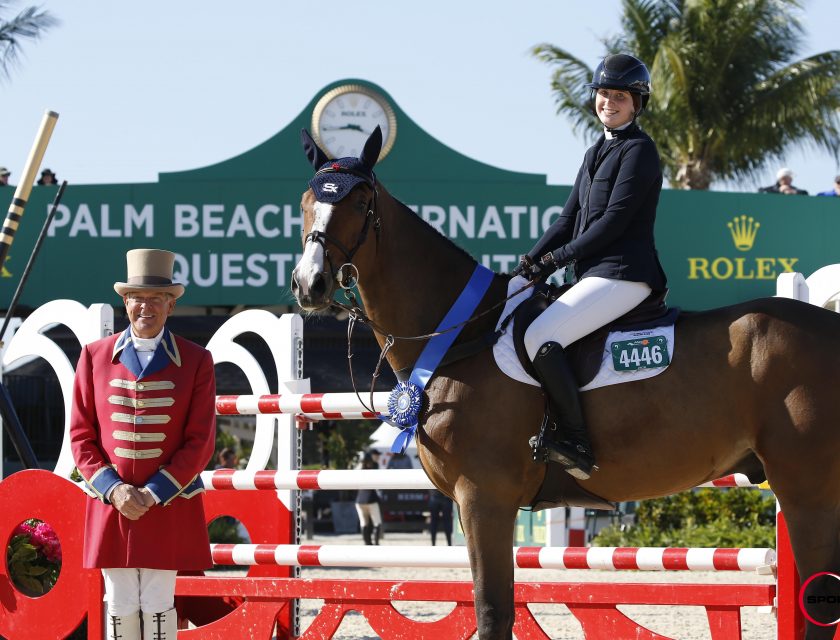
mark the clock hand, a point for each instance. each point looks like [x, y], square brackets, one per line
[346, 127]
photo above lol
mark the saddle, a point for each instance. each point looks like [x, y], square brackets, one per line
[585, 354]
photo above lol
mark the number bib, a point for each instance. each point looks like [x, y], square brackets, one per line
[641, 353]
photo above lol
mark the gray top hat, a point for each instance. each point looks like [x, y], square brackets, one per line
[149, 270]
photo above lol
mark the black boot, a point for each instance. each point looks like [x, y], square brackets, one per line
[376, 531]
[564, 438]
[366, 531]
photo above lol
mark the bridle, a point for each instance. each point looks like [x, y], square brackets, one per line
[347, 275]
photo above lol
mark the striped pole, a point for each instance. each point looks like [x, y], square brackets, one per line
[332, 479]
[736, 480]
[732, 480]
[327, 479]
[24, 187]
[318, 406]
[593, 558]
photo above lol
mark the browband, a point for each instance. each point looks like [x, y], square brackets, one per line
[370, 179]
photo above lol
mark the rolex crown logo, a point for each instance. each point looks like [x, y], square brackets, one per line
[743, 229]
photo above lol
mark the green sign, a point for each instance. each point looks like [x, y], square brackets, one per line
[236, 225]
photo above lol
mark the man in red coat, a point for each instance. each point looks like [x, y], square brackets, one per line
[142, 430]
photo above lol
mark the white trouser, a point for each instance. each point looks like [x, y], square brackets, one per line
[369, 513]
[585, 307]
[128, 591]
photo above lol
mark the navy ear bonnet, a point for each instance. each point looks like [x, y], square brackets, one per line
[337, 178]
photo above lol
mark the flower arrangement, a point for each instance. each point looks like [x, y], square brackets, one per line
[34, 557]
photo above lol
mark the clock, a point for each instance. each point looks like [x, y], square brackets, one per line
[344, 118]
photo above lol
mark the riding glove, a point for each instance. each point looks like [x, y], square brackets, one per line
[524, 266]
[536, 270]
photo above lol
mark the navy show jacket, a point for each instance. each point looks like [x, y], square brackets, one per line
[606, 227]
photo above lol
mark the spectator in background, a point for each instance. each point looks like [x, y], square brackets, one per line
[4, 176]
[226, 459]
[375, 456]
[832, 192]
[367, 506]
[440, 507]
[400, 461]
[47, 177]
[784, 184]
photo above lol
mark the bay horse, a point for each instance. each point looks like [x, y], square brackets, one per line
[753, 387]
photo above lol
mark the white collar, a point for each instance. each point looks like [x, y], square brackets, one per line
[146, 344]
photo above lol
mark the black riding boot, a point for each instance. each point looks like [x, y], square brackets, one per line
[366, 531]
[565, 438]
[377, 530]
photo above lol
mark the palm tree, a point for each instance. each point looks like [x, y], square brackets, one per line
[30, 23]
[728, 94]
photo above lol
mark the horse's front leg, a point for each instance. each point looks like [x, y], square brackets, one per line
[488, 528]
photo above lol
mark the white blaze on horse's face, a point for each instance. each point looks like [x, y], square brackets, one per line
[310, 271]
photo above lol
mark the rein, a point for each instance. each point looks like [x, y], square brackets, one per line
[357, 315]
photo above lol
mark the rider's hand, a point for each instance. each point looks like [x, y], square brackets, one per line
[542, 269]
[524, 266]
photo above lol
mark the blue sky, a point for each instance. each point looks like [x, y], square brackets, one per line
[163, 86]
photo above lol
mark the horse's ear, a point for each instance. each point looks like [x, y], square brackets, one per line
[370, 154]
[317, 158]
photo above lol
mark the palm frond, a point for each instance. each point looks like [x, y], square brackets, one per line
[729, 94]
[31, 24]
[568, 78]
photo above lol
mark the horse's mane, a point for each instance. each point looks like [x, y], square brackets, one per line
[405, 209]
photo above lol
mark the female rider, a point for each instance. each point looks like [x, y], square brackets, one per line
[604, 237]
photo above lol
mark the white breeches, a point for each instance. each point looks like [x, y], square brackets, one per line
[369, 513]
[128, 591]
[587, 306]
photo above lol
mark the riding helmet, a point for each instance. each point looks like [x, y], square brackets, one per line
[623, 72]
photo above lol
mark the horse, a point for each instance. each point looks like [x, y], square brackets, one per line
[751, 388]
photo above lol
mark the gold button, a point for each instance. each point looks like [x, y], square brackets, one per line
[141, 403]
[140, 385]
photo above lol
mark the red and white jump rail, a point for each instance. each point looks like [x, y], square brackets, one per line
[593, 558]
[329, 479]
[314, 406]
[324, 479]
[733, 480]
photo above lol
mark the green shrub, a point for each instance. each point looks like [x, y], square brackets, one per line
[701, 518]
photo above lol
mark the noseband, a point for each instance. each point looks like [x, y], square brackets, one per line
[347, 275]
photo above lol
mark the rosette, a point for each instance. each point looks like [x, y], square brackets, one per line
[404, 403]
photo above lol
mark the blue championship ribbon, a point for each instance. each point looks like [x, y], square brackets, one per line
[406, 399]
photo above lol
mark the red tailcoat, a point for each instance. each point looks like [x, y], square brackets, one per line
[150, 426]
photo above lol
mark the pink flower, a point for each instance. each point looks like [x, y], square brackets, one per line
[23, 528]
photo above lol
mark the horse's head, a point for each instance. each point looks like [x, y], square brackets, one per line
[339, 209]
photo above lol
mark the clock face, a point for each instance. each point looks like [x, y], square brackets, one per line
[344, 118]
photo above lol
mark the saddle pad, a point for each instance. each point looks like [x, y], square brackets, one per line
[503, 351]
[506, 359]
[607, 374]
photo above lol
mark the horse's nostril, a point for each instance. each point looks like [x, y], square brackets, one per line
[319, 285]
